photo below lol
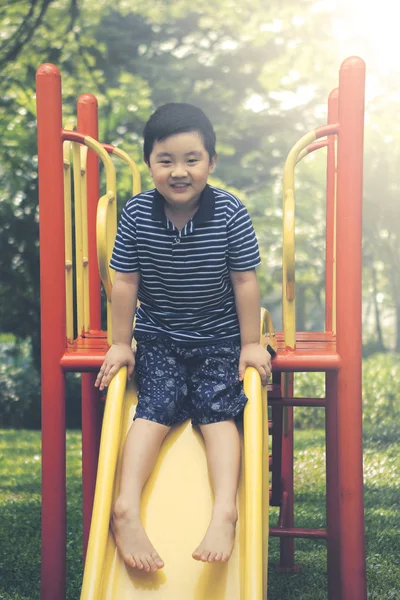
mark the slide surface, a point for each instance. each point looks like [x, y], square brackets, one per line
[176, 508]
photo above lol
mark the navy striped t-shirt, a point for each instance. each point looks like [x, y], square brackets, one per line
[185, 290]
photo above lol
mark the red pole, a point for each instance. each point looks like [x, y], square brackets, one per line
[349, 341]
[91, 406]
[91, 430]
[53, 334]
[286, 562]
[332, 487]
[333, 117]
[88, 125]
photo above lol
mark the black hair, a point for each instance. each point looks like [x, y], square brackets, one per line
[177, 117]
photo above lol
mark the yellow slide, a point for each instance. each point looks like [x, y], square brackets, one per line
[176, 508]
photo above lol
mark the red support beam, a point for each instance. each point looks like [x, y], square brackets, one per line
[332, 487]
[349, 341]
[53, 334]
[297, 532]
[286, 562]
[87, 111]
[88, 125]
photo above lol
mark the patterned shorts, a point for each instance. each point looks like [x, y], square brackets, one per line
[176, 383]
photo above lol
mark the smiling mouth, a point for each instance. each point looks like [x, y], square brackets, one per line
[180, 185]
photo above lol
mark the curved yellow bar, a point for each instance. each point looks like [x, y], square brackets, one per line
[79, 234]
[136, 186]
[288, 287]
[176, 508]
[85, 239]
[106, 224]
[105, 209]
[69, 270]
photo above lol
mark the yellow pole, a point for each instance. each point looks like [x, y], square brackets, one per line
[106, 227]
[85, 240]
[69, 270]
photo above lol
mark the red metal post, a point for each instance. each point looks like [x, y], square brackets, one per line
[276, 478]
[332, 487]
[53, 334]
[333, 117]
[88, 125]
[349, 341]
[91, 430]
[287, 543]
[91, 406]
[331, 421]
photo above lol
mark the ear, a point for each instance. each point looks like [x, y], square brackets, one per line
[148, 166]
[212, 163]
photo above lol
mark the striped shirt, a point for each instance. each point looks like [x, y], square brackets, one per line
[185, 290]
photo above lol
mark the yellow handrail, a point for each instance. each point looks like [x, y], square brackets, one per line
[106, 224]
[106, 227]
[103, 218]
[85, 239]
[136, 184]
[288, 275]
[69, 271]
[79, 236]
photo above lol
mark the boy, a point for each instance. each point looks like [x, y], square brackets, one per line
[188, 252]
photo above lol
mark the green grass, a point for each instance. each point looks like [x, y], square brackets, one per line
[20, 519]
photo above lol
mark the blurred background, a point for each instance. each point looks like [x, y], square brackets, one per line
[262, 72]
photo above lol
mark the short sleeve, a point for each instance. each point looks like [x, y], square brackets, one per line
[243, 253]
[124, 257]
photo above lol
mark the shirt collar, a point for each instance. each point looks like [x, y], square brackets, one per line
[205, 211]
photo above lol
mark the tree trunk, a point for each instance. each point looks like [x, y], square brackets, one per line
[378, 327]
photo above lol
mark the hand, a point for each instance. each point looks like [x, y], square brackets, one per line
[117, 356]
[255, 355]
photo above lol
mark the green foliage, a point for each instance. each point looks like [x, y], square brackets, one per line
[20, 506]
[381, 397]
[20, 392]
[19, 385]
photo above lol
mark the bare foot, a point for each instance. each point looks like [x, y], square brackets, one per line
[217, 544]
[133, 543]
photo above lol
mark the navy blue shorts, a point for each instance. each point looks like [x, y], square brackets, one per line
[176, 383]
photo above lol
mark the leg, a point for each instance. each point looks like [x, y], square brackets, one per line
[223, 456]
[141, 450]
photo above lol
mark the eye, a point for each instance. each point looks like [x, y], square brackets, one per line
[165, 162]
[192, 161]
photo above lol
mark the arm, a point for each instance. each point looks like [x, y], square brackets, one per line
[123, 305]
[247, 300]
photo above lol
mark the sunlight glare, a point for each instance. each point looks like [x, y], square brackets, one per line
[371, 30]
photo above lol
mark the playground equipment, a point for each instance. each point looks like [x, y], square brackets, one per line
[81, 347]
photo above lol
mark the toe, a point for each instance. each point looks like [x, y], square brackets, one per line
[205, 555]
[130, 561]
[218, 557]
[158, 561]
[225, 557]
[139, 564]
[146, 564]
[211, 557]
[152, 563]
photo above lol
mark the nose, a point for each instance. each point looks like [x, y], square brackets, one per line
[179, 171]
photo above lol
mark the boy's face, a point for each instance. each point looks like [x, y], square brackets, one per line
[180, 166]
